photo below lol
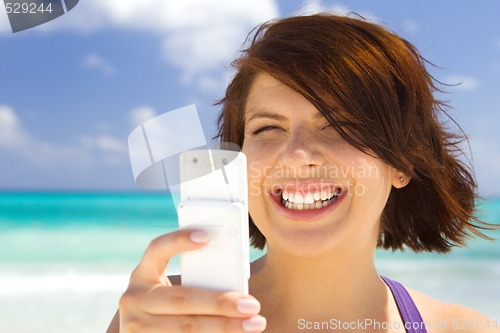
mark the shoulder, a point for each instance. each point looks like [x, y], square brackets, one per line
[443, 317]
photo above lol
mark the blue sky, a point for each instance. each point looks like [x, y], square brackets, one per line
[72, 89]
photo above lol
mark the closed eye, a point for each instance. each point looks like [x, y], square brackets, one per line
[267, 128]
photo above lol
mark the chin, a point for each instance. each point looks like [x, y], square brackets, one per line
[306, 244]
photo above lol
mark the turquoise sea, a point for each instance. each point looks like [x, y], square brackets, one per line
[65, 259]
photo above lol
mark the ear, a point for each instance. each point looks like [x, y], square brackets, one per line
[400, 180]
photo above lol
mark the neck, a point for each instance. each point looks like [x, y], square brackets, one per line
[333, 285]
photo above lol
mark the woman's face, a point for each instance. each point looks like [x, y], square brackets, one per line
[310, 192]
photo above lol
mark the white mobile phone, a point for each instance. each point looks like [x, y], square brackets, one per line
[214, 198]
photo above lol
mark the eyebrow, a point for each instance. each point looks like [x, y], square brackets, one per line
[275, 116]
[265, 114]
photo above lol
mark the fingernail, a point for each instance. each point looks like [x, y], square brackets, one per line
[199, 236]
[254, 324]
[248, 306]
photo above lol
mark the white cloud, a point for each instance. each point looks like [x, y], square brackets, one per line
[104, 143]
[141, 114]
[412, 27]
[462, 82]
[210, 83]
[95, 61]
[487, 163]
[197, 36]
[12, 135]
[90, 151]
[311, 7]
[485, 152]
[317, 6]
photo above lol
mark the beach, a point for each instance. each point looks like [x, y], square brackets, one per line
[65, 259]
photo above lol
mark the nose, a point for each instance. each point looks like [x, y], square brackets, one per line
[301, 151]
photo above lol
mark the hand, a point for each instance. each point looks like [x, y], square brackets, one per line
[152, 304]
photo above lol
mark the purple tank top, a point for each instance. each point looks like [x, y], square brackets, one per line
[409, 313]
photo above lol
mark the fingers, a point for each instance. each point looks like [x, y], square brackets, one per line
[152, 304]
[199, 324]
[182, 309]
[199, 301]
[154, 261]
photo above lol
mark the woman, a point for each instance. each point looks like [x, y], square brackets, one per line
[345, 153]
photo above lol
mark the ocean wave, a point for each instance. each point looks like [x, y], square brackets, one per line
[74, 282]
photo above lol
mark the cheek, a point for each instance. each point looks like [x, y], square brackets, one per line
[255, 177]
[258, 165]
[255, 172]
[373, 180]
[256, 190]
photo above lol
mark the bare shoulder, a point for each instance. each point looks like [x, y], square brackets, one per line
[443, 317]
[175, 280]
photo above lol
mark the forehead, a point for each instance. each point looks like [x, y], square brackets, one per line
[269, 96]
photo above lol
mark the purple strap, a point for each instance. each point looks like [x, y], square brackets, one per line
[409, 313]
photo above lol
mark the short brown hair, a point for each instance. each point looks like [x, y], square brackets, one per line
[373, 87]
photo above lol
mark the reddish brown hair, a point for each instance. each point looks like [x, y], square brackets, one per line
[373, 88]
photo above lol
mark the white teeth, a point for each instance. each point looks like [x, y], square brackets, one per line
[285, 195]
[298, 198]
[302, 206]
[324, 195]
[308, 199]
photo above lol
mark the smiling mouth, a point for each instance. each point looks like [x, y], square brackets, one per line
[310, 200]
